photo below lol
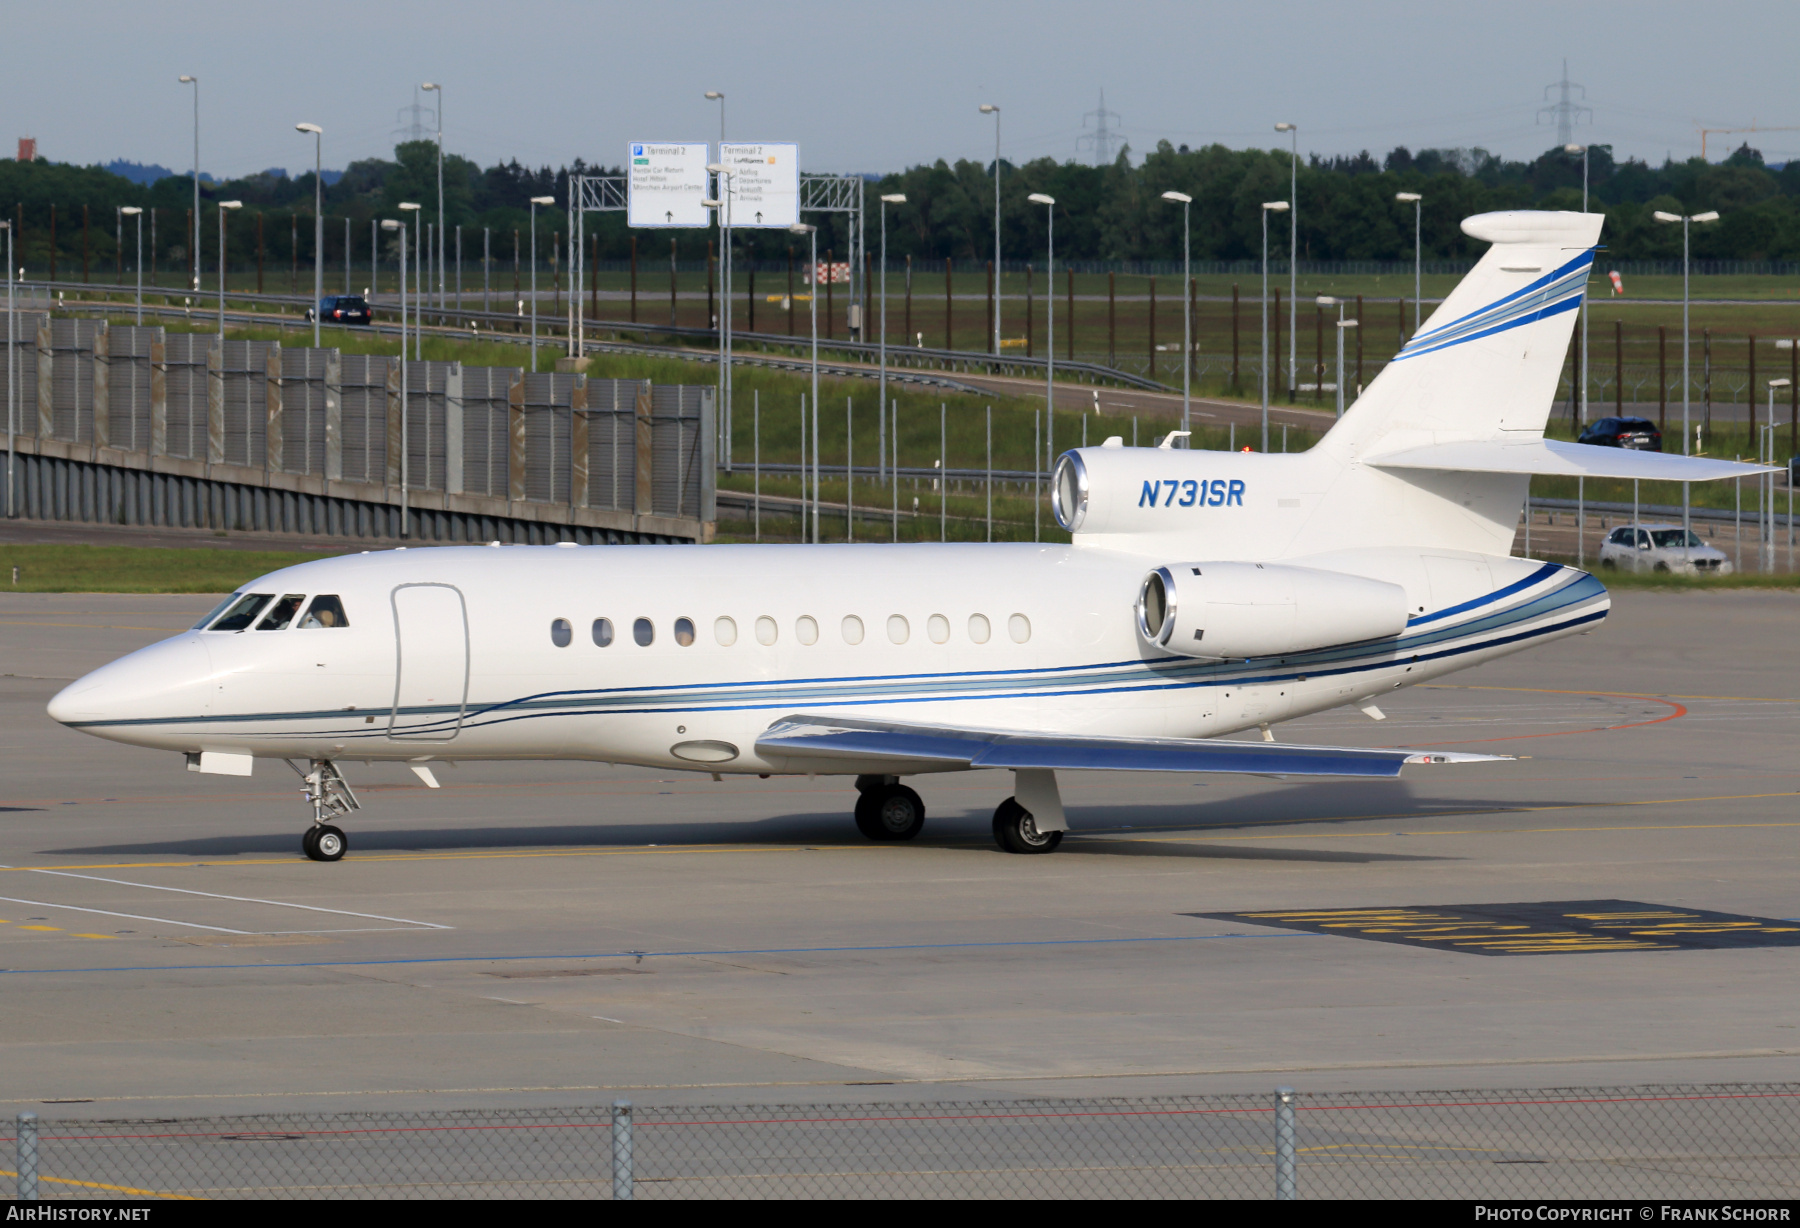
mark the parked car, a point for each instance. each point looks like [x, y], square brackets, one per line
[1662, 547]
[344, 309]
[1638, 434]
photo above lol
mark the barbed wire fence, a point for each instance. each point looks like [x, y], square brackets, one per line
[1669, 1141]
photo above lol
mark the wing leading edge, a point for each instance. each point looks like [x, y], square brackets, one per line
[876, 745]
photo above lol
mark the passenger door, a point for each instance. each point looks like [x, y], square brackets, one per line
[431, 662]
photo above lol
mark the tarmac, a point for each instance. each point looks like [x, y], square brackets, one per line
[566, 933]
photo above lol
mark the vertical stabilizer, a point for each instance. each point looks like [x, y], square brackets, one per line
[1486, 364]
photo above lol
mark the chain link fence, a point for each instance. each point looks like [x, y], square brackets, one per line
[1675, 1141]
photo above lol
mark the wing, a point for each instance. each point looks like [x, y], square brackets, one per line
[838, 744]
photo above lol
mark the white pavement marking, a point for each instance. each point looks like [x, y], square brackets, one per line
[130, 916]
[246, 899]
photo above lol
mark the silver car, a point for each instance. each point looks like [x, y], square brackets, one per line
[1662, 547]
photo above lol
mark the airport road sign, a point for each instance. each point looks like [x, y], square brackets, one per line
[666, 183]
[765, 183]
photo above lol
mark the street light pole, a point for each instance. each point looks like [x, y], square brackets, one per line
[1766, 521]
[1187, 306]
[12, 366]
[1686, 438]
[812, 232]
[723, 412]
[722, 202]
[1269, 206]
[225, 206]
[407, 206]
[433, 85]
[1293, 130]
[134, 212]
[1049, 203]
[195, 82]
[893, 198]
[405, 470]
[535, 202]
[1415, 198]
[318, 135]
[988, 108]
[1583, 151]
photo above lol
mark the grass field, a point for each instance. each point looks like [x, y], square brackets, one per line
[138, 569]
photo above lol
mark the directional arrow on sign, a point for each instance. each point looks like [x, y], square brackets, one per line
[759, 217]
[670, 215]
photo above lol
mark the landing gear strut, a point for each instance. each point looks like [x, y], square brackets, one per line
[887, 809]
[331, 798]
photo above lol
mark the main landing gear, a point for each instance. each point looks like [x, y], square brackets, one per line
[1016, 830]
[887, 809]
[1032, 821]
[331, 798]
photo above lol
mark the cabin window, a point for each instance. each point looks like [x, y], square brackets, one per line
[217, 610]
[644, 632]
[852, 629]
[241, 615]
[684, 632]
[938, 628]
[1019, 627]
[806, 630]
[766, 631]
[898, 629]
[603, 632]
[724, 631]
[281, 615]
[325, 611]
[561, 632]
[978, 628]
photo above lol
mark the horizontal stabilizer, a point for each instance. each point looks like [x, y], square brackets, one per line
[872, 745]
[1574, 460]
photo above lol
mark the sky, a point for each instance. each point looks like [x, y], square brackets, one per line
[876, 87]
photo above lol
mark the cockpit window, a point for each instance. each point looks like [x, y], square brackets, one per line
[243, 612]
[325, 611]
[217, 610]
[282, 613]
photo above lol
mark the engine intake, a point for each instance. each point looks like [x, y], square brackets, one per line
[1228, 610]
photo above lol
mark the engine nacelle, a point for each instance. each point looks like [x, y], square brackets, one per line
[1229, 610]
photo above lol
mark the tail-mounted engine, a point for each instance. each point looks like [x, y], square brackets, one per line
[1231, 610]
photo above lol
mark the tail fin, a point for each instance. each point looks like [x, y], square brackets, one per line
[1486, 364]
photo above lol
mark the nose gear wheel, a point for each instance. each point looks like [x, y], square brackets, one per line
[331, 797]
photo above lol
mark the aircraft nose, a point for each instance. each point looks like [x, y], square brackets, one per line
[130, 686]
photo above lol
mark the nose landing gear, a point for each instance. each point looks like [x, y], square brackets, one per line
[331, 798]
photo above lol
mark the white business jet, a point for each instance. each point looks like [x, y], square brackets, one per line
[1203, 594]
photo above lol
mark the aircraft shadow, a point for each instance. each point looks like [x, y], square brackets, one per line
[1312, 802]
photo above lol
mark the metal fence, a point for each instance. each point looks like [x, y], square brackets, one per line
[1674, 1141]
[473, 453]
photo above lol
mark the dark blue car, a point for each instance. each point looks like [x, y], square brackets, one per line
[344, 309]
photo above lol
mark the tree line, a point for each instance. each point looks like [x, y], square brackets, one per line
[1346, 207]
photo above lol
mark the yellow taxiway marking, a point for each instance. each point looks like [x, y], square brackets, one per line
[89, 627]
[636, 851]
[105, 937]
[48, 929]
[100, 1185]
[1541, 690]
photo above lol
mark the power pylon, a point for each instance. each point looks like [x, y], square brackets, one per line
[1565, 111]
[415, 128]
[1101, 139]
